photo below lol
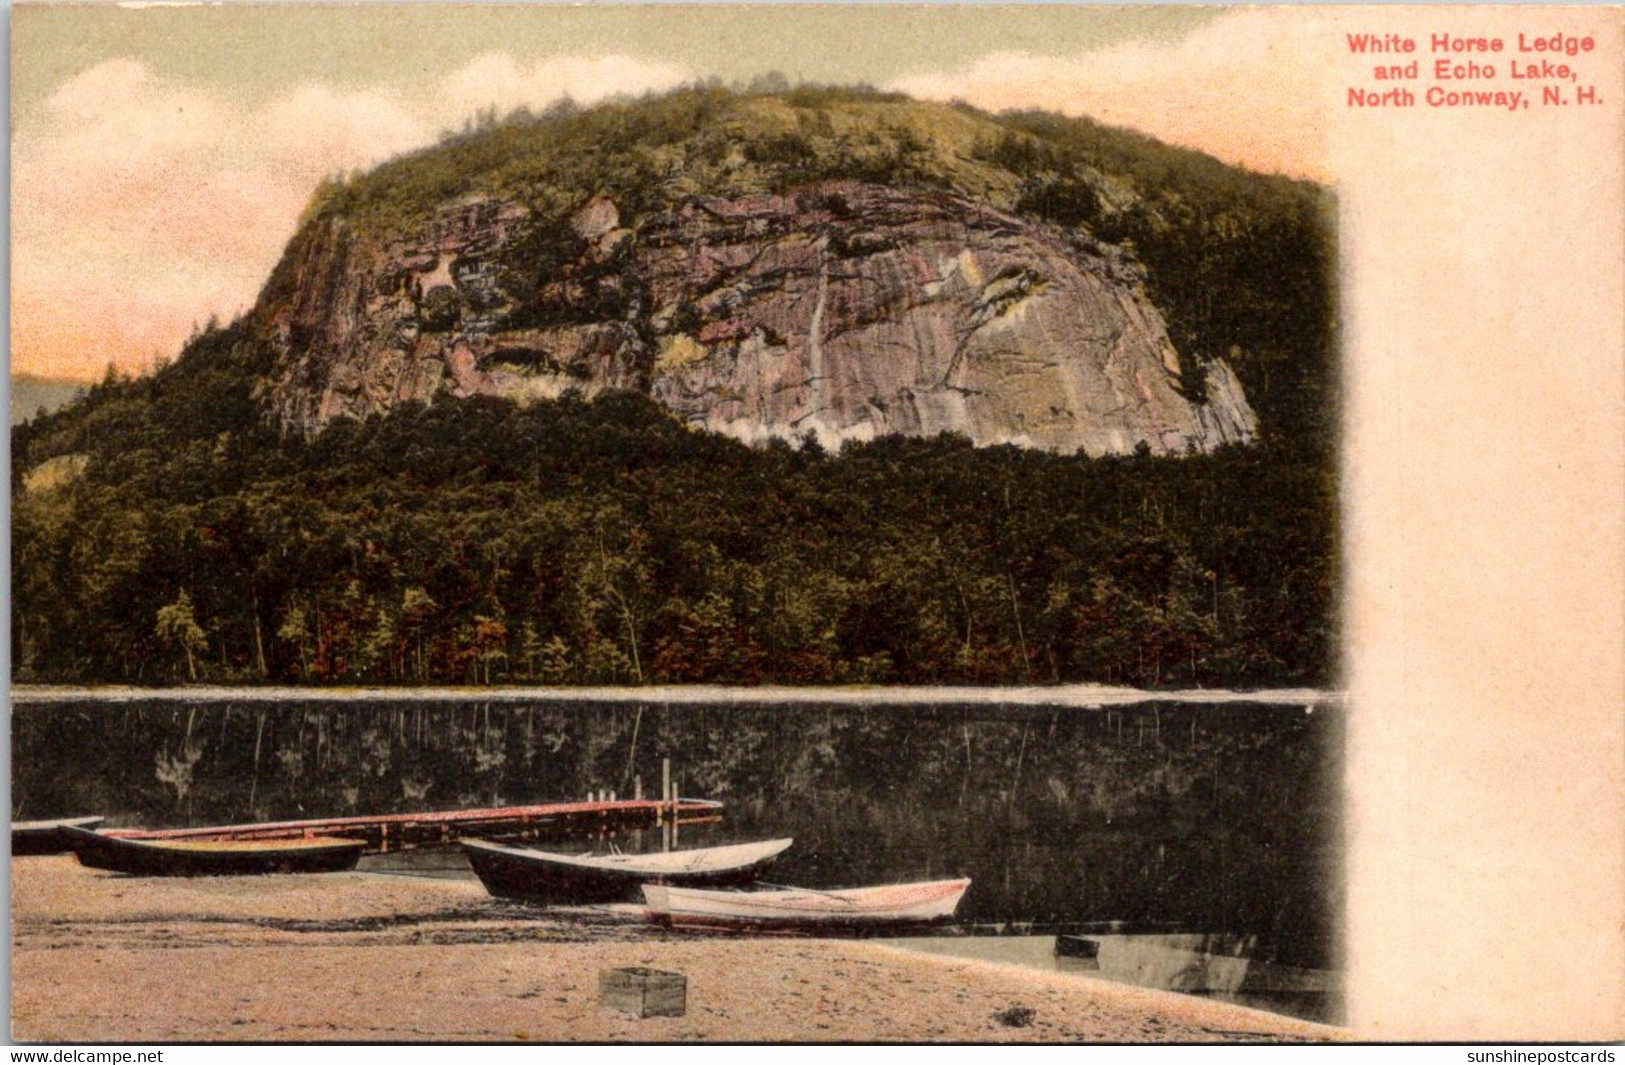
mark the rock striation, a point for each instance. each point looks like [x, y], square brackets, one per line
[844, 309]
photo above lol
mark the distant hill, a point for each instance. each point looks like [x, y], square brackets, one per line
[30, 394]
[841, 263]
[991, 399]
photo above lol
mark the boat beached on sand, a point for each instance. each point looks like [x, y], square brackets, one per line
[888, 908]
[541, 876]
[212, 857]
[45, 837]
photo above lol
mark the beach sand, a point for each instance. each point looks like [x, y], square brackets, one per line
[370, 957]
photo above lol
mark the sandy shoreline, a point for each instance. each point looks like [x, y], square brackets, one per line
[377, 958]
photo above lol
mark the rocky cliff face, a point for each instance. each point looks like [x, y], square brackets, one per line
[843, 309]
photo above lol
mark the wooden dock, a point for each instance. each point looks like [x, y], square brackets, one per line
[384, 833]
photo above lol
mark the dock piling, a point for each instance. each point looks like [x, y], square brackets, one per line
[668, 810]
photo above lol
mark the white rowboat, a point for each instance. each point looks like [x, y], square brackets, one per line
[894, 905]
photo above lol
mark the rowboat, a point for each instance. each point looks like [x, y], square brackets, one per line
[45, 837]
[806, 909]
[541, 876]
[211, 857]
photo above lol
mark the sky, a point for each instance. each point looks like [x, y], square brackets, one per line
[161, 155]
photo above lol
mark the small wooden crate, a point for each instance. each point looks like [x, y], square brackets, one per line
[643, 992]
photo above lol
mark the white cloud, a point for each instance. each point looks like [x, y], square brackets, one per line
[497, 79]
[318, 129]
[1248, 87]
[142, 205]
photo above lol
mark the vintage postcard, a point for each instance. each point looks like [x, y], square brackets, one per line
[816, 524]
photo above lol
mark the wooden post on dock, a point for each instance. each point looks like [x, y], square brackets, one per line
[668, 812]
[676, 790]
[637, 833]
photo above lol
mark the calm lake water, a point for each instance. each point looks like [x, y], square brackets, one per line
[1166, 962]
[1161, 816]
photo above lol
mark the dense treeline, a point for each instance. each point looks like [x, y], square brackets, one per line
[477, 541]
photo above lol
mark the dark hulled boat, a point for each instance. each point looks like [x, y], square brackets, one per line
[212, 858]
[45, 837]
[540, 876]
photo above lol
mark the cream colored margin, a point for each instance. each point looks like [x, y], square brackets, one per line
[1484, 293]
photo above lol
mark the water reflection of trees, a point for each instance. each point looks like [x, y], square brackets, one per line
[1219, 817]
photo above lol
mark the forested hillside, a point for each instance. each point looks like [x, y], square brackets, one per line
[165, 529]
